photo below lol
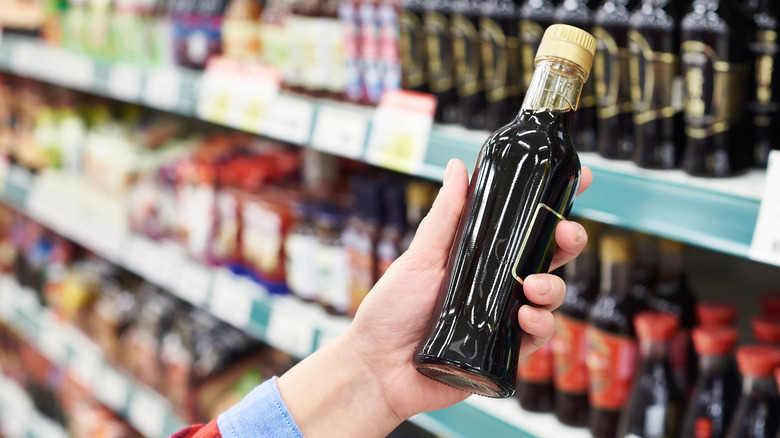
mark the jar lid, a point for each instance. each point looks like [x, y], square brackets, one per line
[716, 313]
[770, 303]
[655, 326]
[569, 43]
[757, 360]
[766, 329]
[714, 340]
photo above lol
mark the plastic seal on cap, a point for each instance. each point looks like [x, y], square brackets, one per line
[766, 330]
[757, 360]
[655, 326]
[715, 313]
[714, 341]
[570, 43]
[770, 303]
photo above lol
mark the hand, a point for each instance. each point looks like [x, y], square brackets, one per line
[373, 358]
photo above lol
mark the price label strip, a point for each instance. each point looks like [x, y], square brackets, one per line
[290, 118]
[341, 132]
[766, 236]
[290, 333]
[113, 389]
[400, 130]
[147, 413]
[124, 82]
[230, 300]
[193, 282]
[162, 89]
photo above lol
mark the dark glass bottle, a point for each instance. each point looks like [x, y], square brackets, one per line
[441, 67]
[414, 52]
[534, 380]
[756, 415]
[524, 182]
[653, 410]
[500, 33]
[615, 128]
[645, 272]
[715, 66]
[656, 84]
[568, 343]
[715, 395]
[579, 13]
[763, 95]
[467, 55]
[535, 17]
[612, 346]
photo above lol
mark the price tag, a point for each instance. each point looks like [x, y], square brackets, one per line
[290, 118]
[52, 340]
[340, 132]
[124, 82]
[766, 237]
[163, 88]
[23, 58]
[230, 300]
[113, 389]
[104, 241]
[193, 282]
[400, 130]
[290, 334]
[86, 360]
[147, 413]
[154, 261]
[66, 68]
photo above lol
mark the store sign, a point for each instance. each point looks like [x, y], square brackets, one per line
[766, 237]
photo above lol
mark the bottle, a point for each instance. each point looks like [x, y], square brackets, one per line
[500, 33]
[467, 56]
[612, 345]
[413, 46]
[580, 13]
[350, 22]
[756, 413]
[568, 344]
[523, 183]
[389, 56]
[714, 66]
[240, 39]
[332, 45]
[715, 395]
[763, 103]
[534, 380]
[419, 198]
[766, 330]
[300, 244]
[388, 247]
[645, 274]
[656, 84]
[615, 137]
[535, 17]
[715, 313]
[441, 67]
[654, 407]
[360, 238]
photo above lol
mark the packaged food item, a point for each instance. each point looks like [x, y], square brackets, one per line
[240, 37]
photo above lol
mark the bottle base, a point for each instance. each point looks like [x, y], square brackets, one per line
[460, 377]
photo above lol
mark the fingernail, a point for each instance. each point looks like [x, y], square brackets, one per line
[545, 286]
[447, 172]
[581, 235]
[534, 315]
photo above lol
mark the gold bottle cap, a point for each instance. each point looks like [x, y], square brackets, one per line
[570, 43]
[615, 248]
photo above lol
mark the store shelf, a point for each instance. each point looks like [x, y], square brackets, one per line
[18, 416]
[65, 346]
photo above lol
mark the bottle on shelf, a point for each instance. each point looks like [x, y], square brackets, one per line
[645, 270]
[441, 64]
[360, 238]
[370, 38]
[568, 344]
[419, 198]
[756, 413]
[350, 22]
[766, 330]
[715, 68]
[331, 260]
[472, 340]
[715, 395]
[389, 44]
[306, 52]
[534, 380]
[300, 244]
[654, 407]
[612, 345]
[656, 84]
[467, 56]
[716, 313]
[414, 63]
[332, 46]
[535, 17]
[240, 36]
[389, 245]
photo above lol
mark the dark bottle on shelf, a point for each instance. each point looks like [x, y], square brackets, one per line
[389, 245]
[716, 314]
[653, 410]
[419, 198]
[612, 346]
[500, 33]
[535, 17]
[414, 61]
[441, 67]
[645, 272]
[656, 84]
[524, 182]
[756, 415]
[715, 395]
[615, 127]
[467, 55]
[763, 95]
[534, 380]
[580, 13]
[714, 60]
[568, 343]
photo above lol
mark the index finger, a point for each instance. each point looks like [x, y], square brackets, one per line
[586, 178]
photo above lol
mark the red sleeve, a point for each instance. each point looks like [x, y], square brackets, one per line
[199, 431]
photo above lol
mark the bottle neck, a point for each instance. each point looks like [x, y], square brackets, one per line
[713, 364]
[765, 385]
[583, 267]
[670, 267]
[555, 86]
[615, 277]
[649, 348]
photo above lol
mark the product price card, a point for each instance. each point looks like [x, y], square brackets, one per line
[289, 118]
[766, 237]
[162, 89]
[147, 413]
[113, 389]
[124, 82]
[193, 282]
[291, 334]
[154, 261]
[400, 130]
[231, 299]
[340, 131]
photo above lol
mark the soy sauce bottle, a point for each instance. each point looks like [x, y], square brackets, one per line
[568, 343]
[535, 17]
[715, 68]
[534, 380]
[467, 54]
[612, 345]
[441, 67]
[499, 29]
[615, 129]
[654, 408]
[579, 13]
[413, 46]
[656, 84]
[756, 414]
[763, 95]
[716, 392]
[524, 182]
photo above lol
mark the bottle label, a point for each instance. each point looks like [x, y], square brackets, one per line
[438, 43]
[610, 71]
[369, 52]
[332, 271]
[226, 239]
[611, 366]
[654, 77]
[540, 234]
[530, 37]
[360, 253]
[765, 48]
[301, 269]
[501, 61]
[538, 366]
[390, 61]
[570, 350]
[261, 238]
[334, 54]
[412, 49]
[467, 55]
[349, 24]
[702, 428]
[714, 90]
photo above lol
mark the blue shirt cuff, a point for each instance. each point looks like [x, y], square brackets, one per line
[262, 413]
